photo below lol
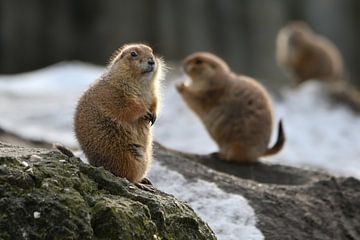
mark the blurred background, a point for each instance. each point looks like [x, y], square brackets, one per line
[35, 33]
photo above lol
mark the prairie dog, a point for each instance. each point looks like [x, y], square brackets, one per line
[236, 110]
[306, 55]
[114, 116]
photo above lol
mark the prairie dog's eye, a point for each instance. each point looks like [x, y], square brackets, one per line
[134, 54]
[198, 61]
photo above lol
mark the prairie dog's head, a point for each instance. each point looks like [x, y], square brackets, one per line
[295, 34]
[205, 70]
[135, 61]
[291, 40]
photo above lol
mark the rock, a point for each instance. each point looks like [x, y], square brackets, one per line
[290, 203]
[46, 195]
[14, 139]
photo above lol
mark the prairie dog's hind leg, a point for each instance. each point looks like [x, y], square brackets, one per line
[137, 151]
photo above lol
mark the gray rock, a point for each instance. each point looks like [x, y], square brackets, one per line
[290, 203]
[46, 195]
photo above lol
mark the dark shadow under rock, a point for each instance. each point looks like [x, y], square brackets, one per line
[290, 203]
[258, 172]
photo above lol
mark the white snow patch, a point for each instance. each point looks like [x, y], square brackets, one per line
[35, 158]
[40, 104]
[178, 127]
[229, 215]
[24, 163]
[319, 134]
[24, 233]
[36, 215]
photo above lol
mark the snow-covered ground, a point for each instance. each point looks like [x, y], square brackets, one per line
[319, 134]
[229, 215]
[40, 105]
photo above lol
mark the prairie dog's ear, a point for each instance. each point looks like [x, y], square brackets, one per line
[117, 54]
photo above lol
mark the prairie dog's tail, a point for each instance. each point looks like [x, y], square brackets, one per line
[279, 142]
[64, 150]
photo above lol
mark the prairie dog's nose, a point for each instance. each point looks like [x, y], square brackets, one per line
[151, 62]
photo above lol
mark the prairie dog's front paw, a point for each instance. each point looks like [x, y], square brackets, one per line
[151, 117]
[180, 87]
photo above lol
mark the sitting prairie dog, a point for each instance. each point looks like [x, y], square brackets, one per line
[114, 116]
[236, 110]
[305, 55]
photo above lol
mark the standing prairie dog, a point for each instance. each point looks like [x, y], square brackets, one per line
[114, 116]
[236, 110]
[306, 55]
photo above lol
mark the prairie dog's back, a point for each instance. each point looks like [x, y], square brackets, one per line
[307, 55]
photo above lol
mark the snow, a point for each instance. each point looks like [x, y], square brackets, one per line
[217, 208]
[40, 105]
[319, 134]
[36, 215]
[179, 128]
[35, 158]
[25, 164]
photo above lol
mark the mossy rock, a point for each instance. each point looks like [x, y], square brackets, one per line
[46, 195]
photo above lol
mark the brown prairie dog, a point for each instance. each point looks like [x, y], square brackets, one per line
[236, 110]
[114, 116]
[306, 55]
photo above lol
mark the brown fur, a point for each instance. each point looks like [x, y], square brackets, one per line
[307, 55]
[236, 110]
[345, 94]
[112, 119]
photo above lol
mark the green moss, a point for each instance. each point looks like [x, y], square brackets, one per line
[119, 218]
[56, 197]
